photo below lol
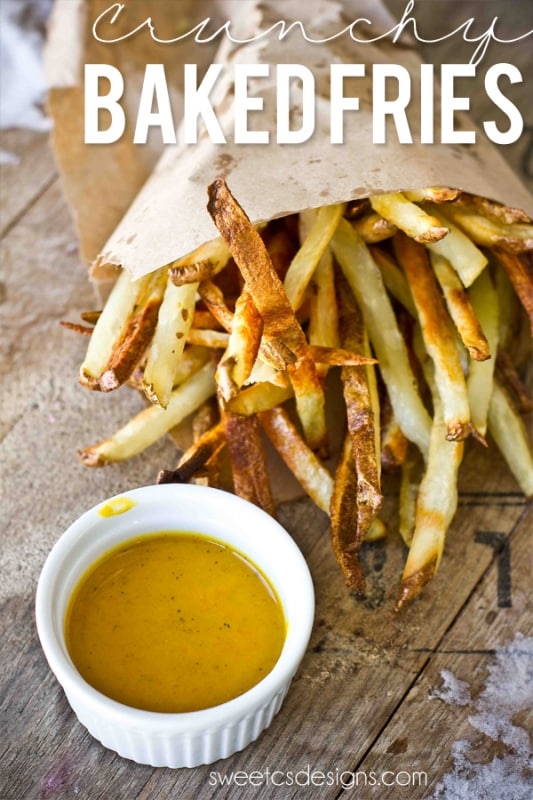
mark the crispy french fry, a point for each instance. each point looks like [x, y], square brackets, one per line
[411, 476]
[435, 194]
[394, 279]
[280, 324]
[323, 315]
[508, 431]
[373, 228]
[110, 327]
[491, 210]
[362, 411]
[346, 537]
[466, 259]
[84, 330]
[408, 217]
[435, 509]
[259, 397]
[460, 308]
[484, 299]
[303, 463]
[196, 456]
[521, 277]
[366, 283]
[237, 362]
[514, 238]
[247, 456]
[136, 336]
[438, 336]
[168, 342]
[153, 422]
[306, 259]
[204, 262]
[217, 340]
[509, 378]
[214, 299]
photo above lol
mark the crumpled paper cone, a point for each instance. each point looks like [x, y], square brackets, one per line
[100, 181]
[168, 219]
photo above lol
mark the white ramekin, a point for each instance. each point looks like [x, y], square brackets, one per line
[198, 737]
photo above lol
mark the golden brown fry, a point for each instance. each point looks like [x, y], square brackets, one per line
[436, 194]
[84, 330]
[217, 340]
[136, 336]
[520, 276]
[204, 262]
[484, 299]
[259, 397]
[168, 341]
[394, 444]
[366, 283]
[373, 228]
[153, 422]
[435, 508]
[237, 362]
[247, 456]
[306, 259]
[363, 426]
[110, 327]
[280, 324]
[303, 463]
[509, 378]
[196, 456]
[408, 217]
[466, 259]
[460, 309]
[214, 299]
[346, 537]
[514, 238]
[412, 470]
[91, 317]
[491, 210]
[508, 431]
[438, 336]
[339, 356]
[394, 279]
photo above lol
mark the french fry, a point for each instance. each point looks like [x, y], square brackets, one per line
[464, 256]
[491, 210]
[196, 456]
[508, 431]
[237, 363]
[216, 340]
[153, 422]
[306, 259]
[479, 381]
[300, 459]
[247, 456]
[136, 336]
[373, 228]
[438, 336]
[346, 536]
[259, 397]
[411, 476]
[110, 327]
[367, 285]
[362, 410]
[323, 315]
[408, 217]
[514, 238]
[168, 342]
[460, 308]
[394, 279]
[214, 299]
[435, 194]
[280, 324]
[435, 507]
[520, 277]
[204, 262]
[509, 378]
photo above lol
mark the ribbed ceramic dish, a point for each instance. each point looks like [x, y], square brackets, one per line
[198, 737]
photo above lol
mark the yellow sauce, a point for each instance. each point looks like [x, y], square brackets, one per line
[118, 505]
[173, 622]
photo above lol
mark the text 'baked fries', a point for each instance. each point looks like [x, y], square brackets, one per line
[423, 299]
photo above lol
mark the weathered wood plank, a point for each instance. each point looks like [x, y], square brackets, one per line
[422, 734]
[27, 176]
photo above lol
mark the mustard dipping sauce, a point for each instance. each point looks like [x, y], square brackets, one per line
[173, 622]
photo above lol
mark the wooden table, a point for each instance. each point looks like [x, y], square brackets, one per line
[362, 699]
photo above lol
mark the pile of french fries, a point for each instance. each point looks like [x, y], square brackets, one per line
[423, 299]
